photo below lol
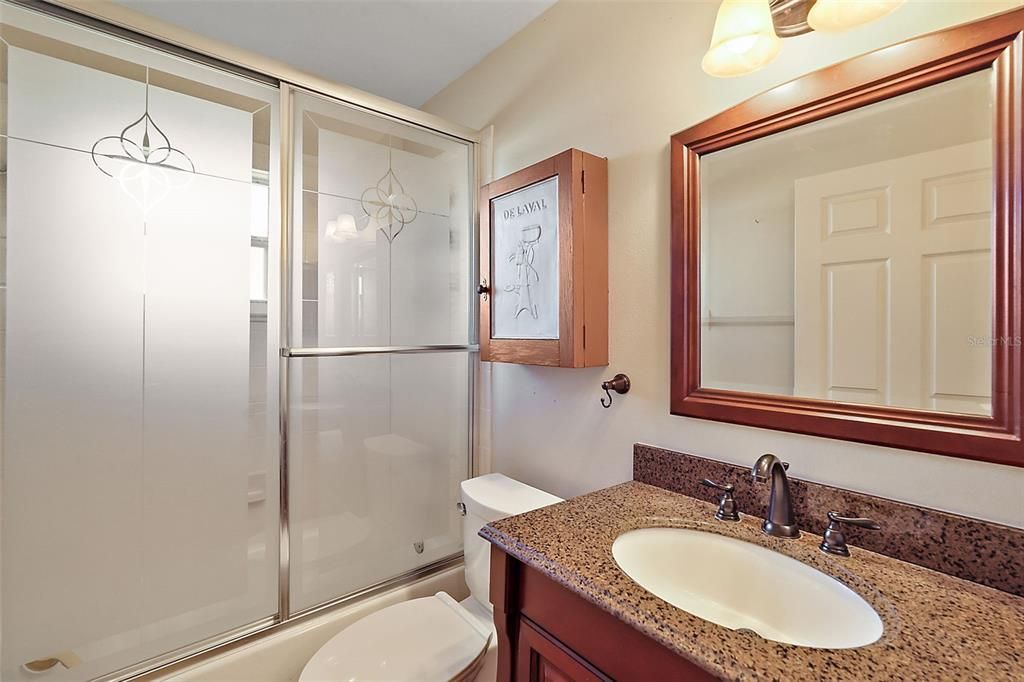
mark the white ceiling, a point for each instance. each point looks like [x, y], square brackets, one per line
[406, 50]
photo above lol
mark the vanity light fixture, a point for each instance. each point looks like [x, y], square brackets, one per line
[748, 33]
[839, 15]
[146, 154]
[744, 39]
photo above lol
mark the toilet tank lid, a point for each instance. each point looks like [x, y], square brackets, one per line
[495, 496]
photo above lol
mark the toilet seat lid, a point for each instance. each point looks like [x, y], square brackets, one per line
[428, 639]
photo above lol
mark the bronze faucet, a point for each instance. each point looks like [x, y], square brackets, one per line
[780, 522]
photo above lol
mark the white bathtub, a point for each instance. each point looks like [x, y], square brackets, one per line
[281, 655]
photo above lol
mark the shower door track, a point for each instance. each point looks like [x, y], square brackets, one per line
[145, 30]
[140, 29]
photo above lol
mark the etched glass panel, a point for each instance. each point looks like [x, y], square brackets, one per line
[383, 231]
[524, 255]
[378, 446]
[140, 436]
[378, 443]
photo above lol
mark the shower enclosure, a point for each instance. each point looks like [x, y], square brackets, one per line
[236, 326]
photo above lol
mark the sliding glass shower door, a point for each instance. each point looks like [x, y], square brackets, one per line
[150, 505]
[380, 364]
[140, 435]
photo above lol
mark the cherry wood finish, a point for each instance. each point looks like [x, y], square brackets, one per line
[504, 593]
[542, 658]
[544, 629]
[582, 264]
[991, 43]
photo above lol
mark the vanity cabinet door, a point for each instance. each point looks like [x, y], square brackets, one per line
[547, 633]
[542, 659]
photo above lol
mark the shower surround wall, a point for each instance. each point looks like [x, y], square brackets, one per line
[140, 340]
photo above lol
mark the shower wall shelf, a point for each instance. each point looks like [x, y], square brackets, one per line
[544, 264]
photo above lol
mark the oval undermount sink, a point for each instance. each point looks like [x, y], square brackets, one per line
[743, 586]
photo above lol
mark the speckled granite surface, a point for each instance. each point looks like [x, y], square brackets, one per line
[937, 627]
[972, 549]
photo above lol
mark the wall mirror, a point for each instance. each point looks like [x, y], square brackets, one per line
[846, 251]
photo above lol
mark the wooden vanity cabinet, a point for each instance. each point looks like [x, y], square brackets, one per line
[546, 633]
[541, 658]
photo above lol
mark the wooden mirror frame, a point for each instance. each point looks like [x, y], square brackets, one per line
[994, 42]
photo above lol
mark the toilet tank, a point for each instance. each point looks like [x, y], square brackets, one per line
[489, 498]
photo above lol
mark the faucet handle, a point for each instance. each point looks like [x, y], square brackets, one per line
[833, 541]
[726, 505]
[727, 488]
[861, 522]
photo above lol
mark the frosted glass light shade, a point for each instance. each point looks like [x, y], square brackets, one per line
[744, 39]
[839, 15]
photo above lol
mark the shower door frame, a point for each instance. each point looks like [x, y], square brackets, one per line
[154, 33]
[289, 350]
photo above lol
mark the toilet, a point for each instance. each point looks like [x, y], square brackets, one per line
[432, 639]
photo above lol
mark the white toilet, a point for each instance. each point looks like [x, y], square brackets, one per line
[432, 639]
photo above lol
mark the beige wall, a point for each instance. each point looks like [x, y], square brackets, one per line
[617, 79]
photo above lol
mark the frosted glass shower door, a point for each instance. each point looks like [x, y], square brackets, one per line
[378, 440]
[139, 433]
[374, 468]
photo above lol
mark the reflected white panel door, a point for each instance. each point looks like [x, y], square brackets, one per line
[893, 282]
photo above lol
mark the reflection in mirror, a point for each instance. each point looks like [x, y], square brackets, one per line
[850, 259]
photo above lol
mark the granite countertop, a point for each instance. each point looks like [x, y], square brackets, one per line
[936, 626]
